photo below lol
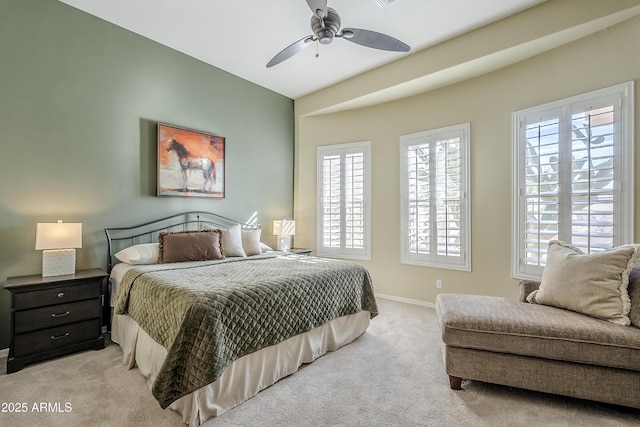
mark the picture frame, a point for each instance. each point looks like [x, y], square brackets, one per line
[191, 163]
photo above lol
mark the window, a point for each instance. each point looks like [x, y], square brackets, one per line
[435, 202]
[573, 176]
[344, 217]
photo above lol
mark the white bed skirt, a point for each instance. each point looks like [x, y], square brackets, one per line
[245, 377]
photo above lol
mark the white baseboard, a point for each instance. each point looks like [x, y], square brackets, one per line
[407, 300]
[4, 352]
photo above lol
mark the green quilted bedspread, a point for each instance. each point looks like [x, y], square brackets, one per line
[208, 314]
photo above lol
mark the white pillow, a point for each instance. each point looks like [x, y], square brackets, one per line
[144, 253]
[251, 242]
[265, 247]
[232, 241]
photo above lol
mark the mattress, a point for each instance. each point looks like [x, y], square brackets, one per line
[115, 278]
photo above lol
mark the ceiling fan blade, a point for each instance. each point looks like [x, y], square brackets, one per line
[291, 50]
[318, 7]
[374, 40]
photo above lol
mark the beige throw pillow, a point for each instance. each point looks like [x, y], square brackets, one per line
[251, 242]
[594, 284]
[232, 241]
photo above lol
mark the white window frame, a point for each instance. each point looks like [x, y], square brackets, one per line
[433, 259]
[363, 253]
[622, 98]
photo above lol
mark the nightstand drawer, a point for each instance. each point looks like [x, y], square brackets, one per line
[59, 295]
[52, 338]
[51, 316]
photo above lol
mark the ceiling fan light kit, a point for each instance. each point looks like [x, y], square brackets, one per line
[325, 24]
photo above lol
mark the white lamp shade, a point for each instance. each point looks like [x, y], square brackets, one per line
[284, 227]
[58, 235]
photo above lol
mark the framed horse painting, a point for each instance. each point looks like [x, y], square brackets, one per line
[190, 163]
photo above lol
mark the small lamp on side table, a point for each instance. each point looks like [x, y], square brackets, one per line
[58, 241]
[284, 229]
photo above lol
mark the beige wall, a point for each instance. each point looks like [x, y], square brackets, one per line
[605, 58]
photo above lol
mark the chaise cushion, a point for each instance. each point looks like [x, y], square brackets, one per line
[507, 326]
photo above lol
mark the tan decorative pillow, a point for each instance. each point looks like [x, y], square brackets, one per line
[594, 284]
[251, 242]
[232, 241]
[201, 245]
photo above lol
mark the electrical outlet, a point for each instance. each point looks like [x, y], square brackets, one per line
[439, 284]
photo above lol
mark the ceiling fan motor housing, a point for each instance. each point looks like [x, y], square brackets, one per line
[325, 29]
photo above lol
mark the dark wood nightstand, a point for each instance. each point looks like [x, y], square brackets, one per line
[301, 251]
[52, 316]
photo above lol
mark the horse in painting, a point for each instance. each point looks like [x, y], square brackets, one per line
[188, 163]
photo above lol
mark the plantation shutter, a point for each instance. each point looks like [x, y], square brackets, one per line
[434, 211]
[354, 201]
[448, 196]
[343, 200]
[542, 190]
[570, 178]
[331, 201]
[419, 199]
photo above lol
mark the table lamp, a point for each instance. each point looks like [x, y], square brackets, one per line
[58, 241]
[284, 229]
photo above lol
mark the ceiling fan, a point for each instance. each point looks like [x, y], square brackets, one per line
[325, 24]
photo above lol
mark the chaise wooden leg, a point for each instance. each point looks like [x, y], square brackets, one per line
[455, 382]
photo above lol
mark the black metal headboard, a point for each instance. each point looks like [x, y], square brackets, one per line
[119, 238]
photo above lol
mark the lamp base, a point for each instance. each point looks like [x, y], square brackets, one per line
[283, 243]
[58, 262]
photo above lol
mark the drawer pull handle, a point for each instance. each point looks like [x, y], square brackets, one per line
[54, 337]
[61, 295]
[60, 314]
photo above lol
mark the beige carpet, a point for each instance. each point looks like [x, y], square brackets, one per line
[391, 376]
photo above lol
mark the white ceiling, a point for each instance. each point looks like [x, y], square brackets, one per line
[240, 37]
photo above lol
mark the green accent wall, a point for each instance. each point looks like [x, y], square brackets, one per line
[80, 99]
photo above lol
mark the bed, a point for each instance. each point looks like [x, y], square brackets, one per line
[209, 328]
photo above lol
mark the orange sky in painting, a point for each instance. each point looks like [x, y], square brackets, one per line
[197, 144]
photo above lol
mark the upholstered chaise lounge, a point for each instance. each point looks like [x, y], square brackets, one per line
[541, 347]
